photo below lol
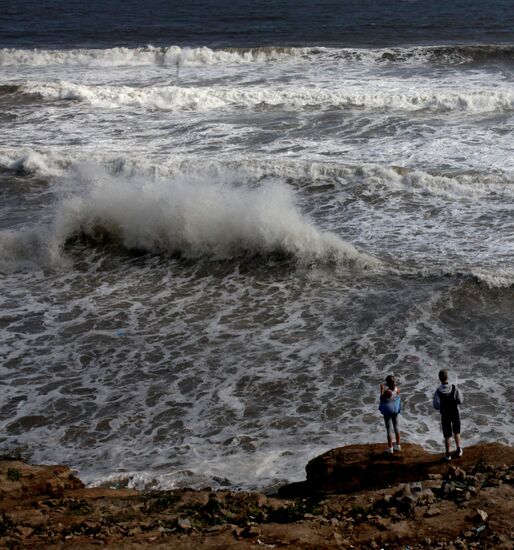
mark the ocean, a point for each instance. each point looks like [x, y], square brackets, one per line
[222, 225]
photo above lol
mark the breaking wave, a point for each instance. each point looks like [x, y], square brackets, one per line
[149, 55]
[174, 55]
[298, 173]
[192, 219]
[201, 219]
[176, 98]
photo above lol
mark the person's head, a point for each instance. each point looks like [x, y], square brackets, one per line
[443, 376]
[390, 382]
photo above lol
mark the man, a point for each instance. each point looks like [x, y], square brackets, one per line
[447, 399]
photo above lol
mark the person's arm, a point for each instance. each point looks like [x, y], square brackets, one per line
[458, 396]
[382, 388]
[436, 403]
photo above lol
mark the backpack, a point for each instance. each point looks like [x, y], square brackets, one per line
[448, 402]
[388, 408]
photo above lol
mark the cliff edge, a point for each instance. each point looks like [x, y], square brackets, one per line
[353, 497]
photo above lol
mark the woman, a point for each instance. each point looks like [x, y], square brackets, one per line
[390, 407]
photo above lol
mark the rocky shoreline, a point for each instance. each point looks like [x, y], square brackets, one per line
[353, 497]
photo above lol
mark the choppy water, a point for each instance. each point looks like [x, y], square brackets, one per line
[211, 256]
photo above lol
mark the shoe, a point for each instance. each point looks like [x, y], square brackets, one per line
[389, 450]
[397, 448]
[447, 458]
[459, 452]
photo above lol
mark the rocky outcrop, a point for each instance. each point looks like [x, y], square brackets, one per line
[356, 467]
[20, 480]
[358, 498]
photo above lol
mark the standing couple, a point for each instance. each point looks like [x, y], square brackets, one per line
[447, 399]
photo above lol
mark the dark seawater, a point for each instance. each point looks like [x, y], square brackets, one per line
[222, 223]
[97, 23]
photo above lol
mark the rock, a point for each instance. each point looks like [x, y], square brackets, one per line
[236, 531]
[21, 480]
[449, 488]
[426, 496]
[416, 486]
[407, 492]
[457, 473]
[359, 467]
[24, 531]
[337, 538]
[185, 524]
[215, 528]
[431, 512]
[250, 531]
[481, 515]
[382, 524]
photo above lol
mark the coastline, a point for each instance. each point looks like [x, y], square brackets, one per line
[354, 497]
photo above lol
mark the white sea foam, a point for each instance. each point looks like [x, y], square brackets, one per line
[207, 98]
[173, 55]
[179, 372]
[165, 56]
[299, 173]
[29, 161]
[200, 219]
[28, 248]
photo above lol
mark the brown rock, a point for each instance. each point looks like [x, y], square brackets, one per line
[356, 467]
[481, 515]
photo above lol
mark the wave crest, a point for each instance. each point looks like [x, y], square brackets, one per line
[164, 57]
[169, 56]
[176, 98]
[201, 219]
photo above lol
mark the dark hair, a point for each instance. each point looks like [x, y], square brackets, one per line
[390, 381]
[443, 376]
